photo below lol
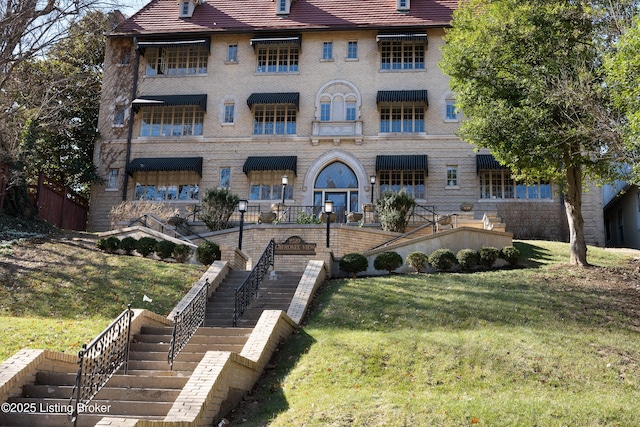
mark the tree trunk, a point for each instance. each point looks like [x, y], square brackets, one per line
[573, 206]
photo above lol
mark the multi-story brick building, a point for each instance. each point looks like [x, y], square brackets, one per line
[237, 93]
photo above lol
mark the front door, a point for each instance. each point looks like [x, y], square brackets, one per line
[337, 183]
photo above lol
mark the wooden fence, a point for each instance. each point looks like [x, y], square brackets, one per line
[60, 205]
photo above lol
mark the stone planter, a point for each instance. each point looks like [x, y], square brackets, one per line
[368, 207]
[323, 217]
[466, 207]
[266, 217]
[354, 216]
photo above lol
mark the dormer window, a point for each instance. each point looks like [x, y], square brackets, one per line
[283, 7]
[403, 5]
[187, 7]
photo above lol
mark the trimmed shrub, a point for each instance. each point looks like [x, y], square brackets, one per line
[208, 252]
[393, 210]
[164, 248]
[418, 261]
[128, 244]
[110, 244]
[467, 258]
[146, 246]
[442, 259]
[387, 261]
[487, 256]
[218, 204]
[354, 263]
[511, 254]
[181, 253]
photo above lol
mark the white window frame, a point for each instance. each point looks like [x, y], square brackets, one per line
[267, 185]
[497, 184]
[452, 177]
[113, 179]
[402, 55]
[178, 121]
[225, 177]
[229, 113]
[327, 51]
[414, 182]
[119, 116]
[160, 186]
[352, 50]
[278, 59]
[232, 53]
[176, 61]
[274, 119]
[396, 117]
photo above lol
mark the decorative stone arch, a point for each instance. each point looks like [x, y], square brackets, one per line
[335, 155]
[338, 92]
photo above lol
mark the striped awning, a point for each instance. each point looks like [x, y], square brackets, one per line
[271, 163]
[166, 164]
[297, 40]
[487, 162]
[170, 101]
[402, 96]
[274, 98]
[418, 36]
[412, 162]
[145, 44]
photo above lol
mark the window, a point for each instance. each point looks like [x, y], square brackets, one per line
[327, 51]
[498, 184]
[229, 112]
[402, 55]
[277, 59]
[232, 53]
[351, 111]
[185, 8]
[452, 176]
[267, 185]
[225, 177]
[118, 115]
[402, 4]
[172, 121]
[352, 50]
[412, 182]
[162, 186]
[450, 110]
[114, 177]
[282, 7]
[125, 56]
[402, 117]
[278, 119]
[325, 110]
[178, 60]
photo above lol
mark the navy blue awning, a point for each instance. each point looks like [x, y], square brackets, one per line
[154, 164]
[296, 39]
[402, 96]
[169, 101]
[487, 162]
[417, 36]
[271, 163]
[415, 162]
[145, 44]
[274, 98]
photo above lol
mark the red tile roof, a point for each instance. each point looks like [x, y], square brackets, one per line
[161, 16]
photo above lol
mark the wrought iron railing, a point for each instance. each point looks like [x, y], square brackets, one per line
[245, 292]
[187, 321]
[98, 361]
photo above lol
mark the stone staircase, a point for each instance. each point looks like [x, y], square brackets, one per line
[149, 388]
[272, 295]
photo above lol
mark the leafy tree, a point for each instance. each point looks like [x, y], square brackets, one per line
[393, 209]
[527, 75]
[217, 207]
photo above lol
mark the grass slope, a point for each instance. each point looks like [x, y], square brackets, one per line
[58, 293]
[547, 346]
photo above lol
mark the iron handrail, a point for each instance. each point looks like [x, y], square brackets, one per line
[187, 321]
[244, 293]
[98, 361]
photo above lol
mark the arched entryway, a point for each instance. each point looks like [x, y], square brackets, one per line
[337, 182]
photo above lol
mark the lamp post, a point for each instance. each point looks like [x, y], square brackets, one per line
[285, 181]
[242, 207]
[372, 180]
[328, 210]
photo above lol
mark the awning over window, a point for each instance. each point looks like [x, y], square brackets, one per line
[154, 164]
[170, 101]
[402, 96]
[419, 36]
[274, 98]
[487, 162]
[145, 44]
[271, 163]
[297, 40]
[414, 162]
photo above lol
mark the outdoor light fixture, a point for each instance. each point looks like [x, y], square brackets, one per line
[328, 210]
[242, 207]
[372, 180]
[285, 181]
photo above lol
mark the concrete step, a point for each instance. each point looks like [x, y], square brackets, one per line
[189, 348]
[159, 365]
[112, 407]
[55, 419]
[107, 393]
[196, 339]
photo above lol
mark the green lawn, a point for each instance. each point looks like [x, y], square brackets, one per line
[546, 346]
[60, 294]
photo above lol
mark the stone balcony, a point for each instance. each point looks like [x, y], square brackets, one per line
[336, 132]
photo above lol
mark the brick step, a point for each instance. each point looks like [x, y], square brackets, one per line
[196, 339]
[188, 349]
[210, 332]
[56, 420]
[118, 380]
[107, 393]
[114, 407]
[156, 365]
